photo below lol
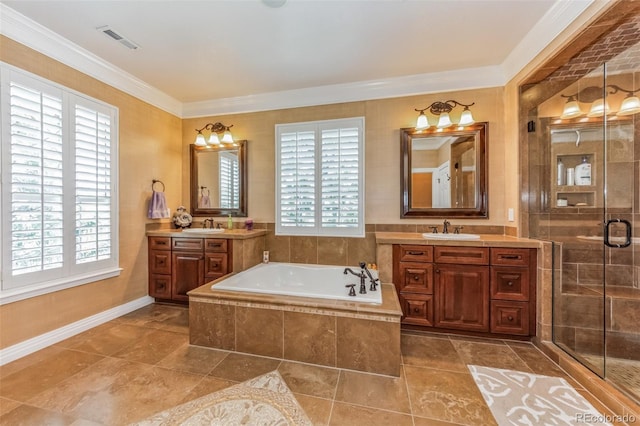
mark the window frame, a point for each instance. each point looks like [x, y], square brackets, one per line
[319, 229]
[71, 273]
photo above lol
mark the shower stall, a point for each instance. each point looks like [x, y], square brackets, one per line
[583, 139]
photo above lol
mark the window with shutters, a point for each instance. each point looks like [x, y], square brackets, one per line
[320, 178]
[229, 180]
[59, 193]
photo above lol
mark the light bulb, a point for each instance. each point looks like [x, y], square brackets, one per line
[466, 119]
[200, 140]
[227, 137]
[599, 108]
[423, 122]
[571, 109]
[213, 139]
[444, 120]
[630, 105]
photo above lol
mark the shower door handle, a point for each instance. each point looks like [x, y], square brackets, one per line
[627, 241]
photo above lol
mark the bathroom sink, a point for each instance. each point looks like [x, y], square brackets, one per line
[204, 230]
[455, 237]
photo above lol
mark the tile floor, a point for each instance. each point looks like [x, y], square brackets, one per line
[141, 363]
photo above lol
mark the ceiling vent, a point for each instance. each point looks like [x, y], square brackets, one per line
[113, 34]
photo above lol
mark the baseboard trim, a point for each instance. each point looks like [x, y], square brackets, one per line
[47, 339]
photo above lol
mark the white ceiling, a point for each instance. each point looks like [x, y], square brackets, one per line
[208, 53]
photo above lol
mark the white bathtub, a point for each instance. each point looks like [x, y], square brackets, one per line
[294, 279]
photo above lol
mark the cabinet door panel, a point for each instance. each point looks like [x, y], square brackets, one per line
[184, 244]
[510, 317]
[510, 256]
[187, 274]
[462, 295]
[416, 277]
[160, 286]
[159, 243]
[409, 253]
[462, 255]
[509, 283]
[215, 265]
[417, 309]
[159, 262]
[217, 245]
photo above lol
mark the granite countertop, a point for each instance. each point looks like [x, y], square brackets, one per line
[233, 234]
[486, 240]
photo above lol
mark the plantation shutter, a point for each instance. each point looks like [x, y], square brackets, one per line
[36, 180]
[229, 174]
[320, 178]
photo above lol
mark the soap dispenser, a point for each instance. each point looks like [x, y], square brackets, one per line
[583, 172]
[229, 223]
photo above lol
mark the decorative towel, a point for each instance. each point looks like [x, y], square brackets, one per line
[158, 206]
[205, 201]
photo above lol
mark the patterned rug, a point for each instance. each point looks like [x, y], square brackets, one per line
[265, 400]
[517, 398]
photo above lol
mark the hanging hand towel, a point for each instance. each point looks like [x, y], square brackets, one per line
[205, 201]
[158, 206]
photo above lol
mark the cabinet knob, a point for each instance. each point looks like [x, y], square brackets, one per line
[416, 310]
[437, 271]
[416, 278]
[510, 318]
[510, 283]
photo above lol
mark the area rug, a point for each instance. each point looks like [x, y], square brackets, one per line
[264, 400]
[517, 398]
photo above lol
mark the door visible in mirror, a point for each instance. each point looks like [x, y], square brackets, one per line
[444, 172]
[218, 180]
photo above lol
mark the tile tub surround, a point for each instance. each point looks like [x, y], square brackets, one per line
[332, 333]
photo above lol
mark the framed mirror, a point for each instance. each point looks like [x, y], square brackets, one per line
[219, 180]
[444, 172]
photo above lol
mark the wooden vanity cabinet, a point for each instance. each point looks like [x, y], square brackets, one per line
[178, 265]
[462, 288]
[470, 289]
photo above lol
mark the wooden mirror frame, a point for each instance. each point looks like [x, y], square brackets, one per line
[241, 211]
[481, 210]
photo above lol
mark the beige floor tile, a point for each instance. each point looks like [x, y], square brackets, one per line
[26, 415]
[240, 367]
[206, 386]
[421, 421]
[489, 355]
[353, 415]
[539, 363]
[29, 360]
[117, 391]
[166, 317]
[433, 352]
[317, 409]
[153, 346]
[382, 392]
[310, 380]
[193, 359]
[106, 339]
[445, 395]
[7, 405]
[24, 384]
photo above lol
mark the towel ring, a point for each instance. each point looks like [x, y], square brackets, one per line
[154, 181]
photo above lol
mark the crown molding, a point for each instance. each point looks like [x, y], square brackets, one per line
[464, 79]
[550, 26]
[39, 38]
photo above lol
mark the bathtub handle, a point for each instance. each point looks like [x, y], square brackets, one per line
[352, 290]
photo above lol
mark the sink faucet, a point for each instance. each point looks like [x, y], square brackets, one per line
[210, 221]
[361, 275]
[445, 226]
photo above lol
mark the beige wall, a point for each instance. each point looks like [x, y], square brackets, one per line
[383, 120]
[149, 144]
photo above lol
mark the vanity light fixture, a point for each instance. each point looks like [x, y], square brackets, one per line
[442, 110]
[599, 105]
[214, 139]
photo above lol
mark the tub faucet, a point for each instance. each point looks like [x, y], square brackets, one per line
[445, 226]
[374, 281]
[361, 275]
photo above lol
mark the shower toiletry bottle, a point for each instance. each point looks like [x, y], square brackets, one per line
[561, 173]
[571, 176]
[229, 223]
[583, 172]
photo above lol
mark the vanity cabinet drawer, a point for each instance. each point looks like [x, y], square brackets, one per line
[510, 256]
[159, 262]
[410, 253]
[188, 244]
[510, 317]
[215, 245]
[159, 243]
[416, 277]
[417, 309]
[462, 255]
[160, 286]
[215, 265]
[508, 283]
